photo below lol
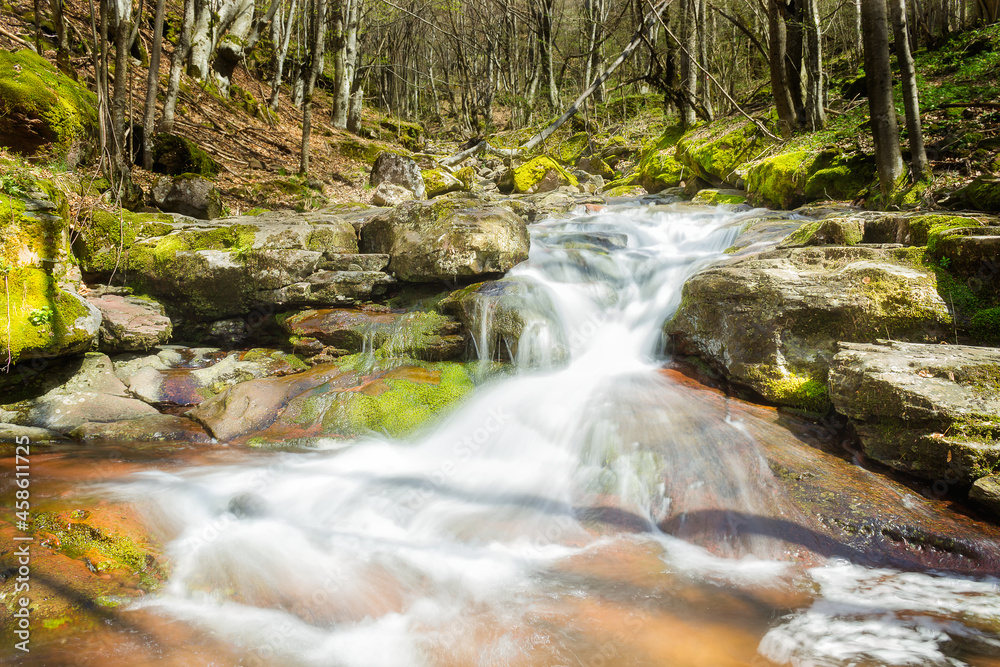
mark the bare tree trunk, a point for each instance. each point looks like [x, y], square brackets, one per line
[858, 48]
[918, 155]
[38, 28]
[281, 37]
[689, 74]
[123, 33]
[177, 61]
[889, 161]
[62, 37]
[815, 114]
[316, 66]
[152, 85]
[703, 40]
[776, 52]
[347, 60]
[793, 58]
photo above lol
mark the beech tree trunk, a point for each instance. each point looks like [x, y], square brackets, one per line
[281, 35]
[911, 104]
[815, 113]
[875, 29]
[177, 61]
[776, 52]
[315, 67]
[152, 85]
[689, 73]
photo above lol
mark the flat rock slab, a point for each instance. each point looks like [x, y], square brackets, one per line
[131, 323]
[188, 376]
[153, 428]
[92, 393]
[931, 410]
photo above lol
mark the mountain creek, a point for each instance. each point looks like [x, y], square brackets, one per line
[545, 430]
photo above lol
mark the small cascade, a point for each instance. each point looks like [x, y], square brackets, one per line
[587, 509]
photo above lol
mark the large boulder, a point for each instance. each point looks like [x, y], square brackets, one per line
[151, 428]
[387, 194]
[188, 194]
[540, 174]
[66, 397]
[420, 335]
[43, 110]
[772, 322]
[174, 155]
[929, 410]
[452, 239]
[344, 399]
[131, 323]
[397, 170]
[250, 265]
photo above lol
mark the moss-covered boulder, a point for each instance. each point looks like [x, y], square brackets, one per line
[713, 197]
[930, 410]
[790, 179]
[720, 152]
[572, 149]
[43, 316]
[43, 111]
[829, 231]
[772, 321]
[439, 182]
[983, 193]
[658, 166]
[540, 174]
[420, 335]
[450, 239]
[352, 397]
[174, 155]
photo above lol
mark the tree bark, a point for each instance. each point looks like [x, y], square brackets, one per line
[815, 114]
[689, 74]
[123, 34]
[316, 66]
[152, 85]
[888, 159]
[281, 37]
[177, 61]
[911, 104]
[776, 51]
[62, 37]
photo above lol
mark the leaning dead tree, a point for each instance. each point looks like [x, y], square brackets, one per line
[637, 39]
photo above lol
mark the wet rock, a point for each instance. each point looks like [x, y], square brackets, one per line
[497, 314]
[188, 195]
[131, 323]
[153, 428]
[341, 399]
[387, 194]
[229, 333]
[714, 197]
[441, 240]
[830, 231]
[930, 410]
[397, 170]
[12, 434]
[772, 321]
[353, 262]
[190, 376]
[986, 492]
[84, 391]
[419, 335]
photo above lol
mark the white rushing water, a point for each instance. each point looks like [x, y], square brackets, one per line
[455, 549]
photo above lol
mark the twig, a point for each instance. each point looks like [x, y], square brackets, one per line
[14, 37]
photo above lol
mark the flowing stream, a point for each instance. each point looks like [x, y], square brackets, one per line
[587, 510]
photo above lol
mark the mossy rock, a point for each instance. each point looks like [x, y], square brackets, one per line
[928, 230]
[410, 135]
[779, 181]
[244, 100]
[365, 150]
[439, 182]
[529, 176]
[658, 165]
[174, 155]
[44, 320]
[403, 401]
[986, 326]
[43, 111]
[983, 193]
[106, 238]
[624, 191]
[572, 149]
[715, 197]
[720, 152]
[832, 231]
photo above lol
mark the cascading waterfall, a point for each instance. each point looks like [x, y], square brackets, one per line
[513, 534]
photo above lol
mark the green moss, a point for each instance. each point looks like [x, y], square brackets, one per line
[929, 229]
[436, 183]
[624, 191]
[243, 100]
[719, 152]
[25, 291]
[780, 180]
[985, 325]
[572, 149]
[714, 197]
[33, 87]
[176, 155]
[528, 175]
[658, 165]
[833, 231]
[79, 540]
[467, 175]
[405, 406]
[788, 388]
